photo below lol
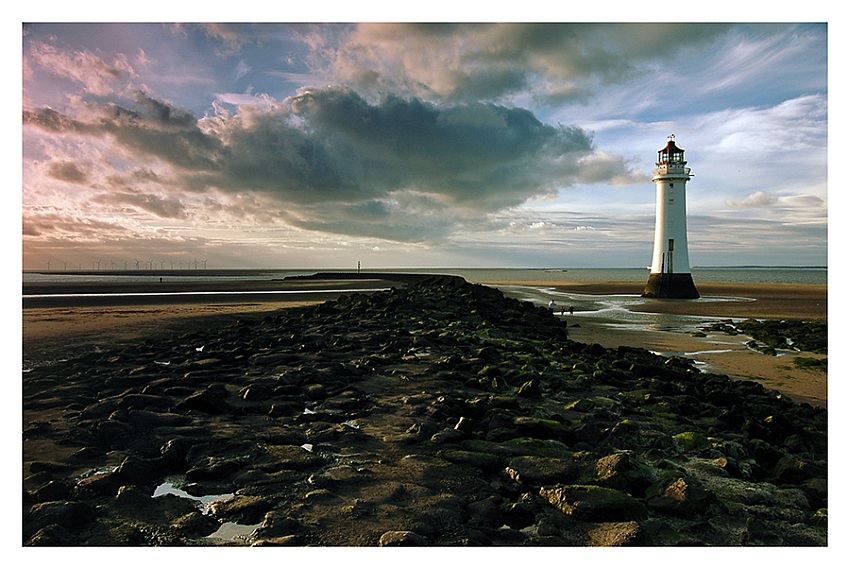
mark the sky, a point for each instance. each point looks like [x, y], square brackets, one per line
[402, 145]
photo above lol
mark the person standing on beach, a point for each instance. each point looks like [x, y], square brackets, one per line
[571, 310]
[552, 305]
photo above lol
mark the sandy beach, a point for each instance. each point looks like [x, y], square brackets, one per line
[67, 326]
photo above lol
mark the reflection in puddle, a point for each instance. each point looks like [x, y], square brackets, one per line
[228, 531]
[168, 488]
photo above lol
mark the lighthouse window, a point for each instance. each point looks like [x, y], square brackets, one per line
[671, 184]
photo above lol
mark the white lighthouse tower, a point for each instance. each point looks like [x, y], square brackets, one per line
[670, 273]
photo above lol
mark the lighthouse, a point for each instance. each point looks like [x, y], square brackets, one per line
[670, 273]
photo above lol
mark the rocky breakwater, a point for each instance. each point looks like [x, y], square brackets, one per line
[436, 414]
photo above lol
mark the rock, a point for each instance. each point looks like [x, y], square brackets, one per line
[794, 470]
[278, 524]
[241, 509]
[536, 470]
[97, 485]
[173, 452]
[402, 538]
[68, 514]
[594, 503]
[447, 436]
[691, 441]
[138, 472]
[195, 524]
[615, 534]
[682, 498]
[213, 468]
[131, 497]
[52, 536]
[151, 419]
[486, 512]
[52, 491]
[537, 428]
[529, 389]
[207, 401]
[624, 472]
[282, 541]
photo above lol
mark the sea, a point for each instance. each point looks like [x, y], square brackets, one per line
[755, 275]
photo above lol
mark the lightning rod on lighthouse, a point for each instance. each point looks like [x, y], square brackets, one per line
[670, 272]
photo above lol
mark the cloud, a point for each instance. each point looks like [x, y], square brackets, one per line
[96, 75]
[338, 163]
[67, 172]
[228, 38]
[242, 69]
[557, 62]
[163, 207]
[754, 200]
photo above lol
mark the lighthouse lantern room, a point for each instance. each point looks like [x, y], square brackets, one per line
[670, 272]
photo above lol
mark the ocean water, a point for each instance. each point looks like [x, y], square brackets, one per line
[757, 275]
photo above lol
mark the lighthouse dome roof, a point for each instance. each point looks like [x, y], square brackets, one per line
[671, 148]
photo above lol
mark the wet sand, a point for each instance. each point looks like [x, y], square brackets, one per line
[69, 326]
[717, 352]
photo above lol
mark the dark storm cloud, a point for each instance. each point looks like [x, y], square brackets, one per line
[362, 161]
[564, 61]
[161, 130]
[484, 156]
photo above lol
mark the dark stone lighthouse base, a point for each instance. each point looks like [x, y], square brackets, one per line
[670, 285]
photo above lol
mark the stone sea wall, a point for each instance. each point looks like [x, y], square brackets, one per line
[436, 414]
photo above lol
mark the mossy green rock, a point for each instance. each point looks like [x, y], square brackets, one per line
[594, 503]
[691, 441]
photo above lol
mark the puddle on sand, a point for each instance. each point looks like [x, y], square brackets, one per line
[228, 532]
[231, 532]
[205, 501]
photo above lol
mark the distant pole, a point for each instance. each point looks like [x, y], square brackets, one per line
[358, 267]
